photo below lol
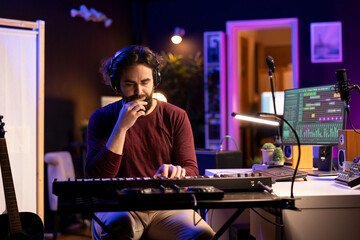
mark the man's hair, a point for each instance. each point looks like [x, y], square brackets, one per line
[112, 68]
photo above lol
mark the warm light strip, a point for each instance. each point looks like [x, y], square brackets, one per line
[256, 120]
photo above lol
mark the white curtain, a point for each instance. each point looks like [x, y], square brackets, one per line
[18, 84]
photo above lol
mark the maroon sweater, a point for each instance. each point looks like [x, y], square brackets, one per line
[145, 147]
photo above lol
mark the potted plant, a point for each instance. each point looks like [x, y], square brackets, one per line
[267, 153]
[278, 157]
[182, 82]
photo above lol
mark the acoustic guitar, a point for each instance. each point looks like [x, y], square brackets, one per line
[15, 225]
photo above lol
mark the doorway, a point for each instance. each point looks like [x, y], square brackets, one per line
[249, 42]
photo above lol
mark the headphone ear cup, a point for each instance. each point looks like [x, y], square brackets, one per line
[157, 74]
[115, 82]
[112, 74]
[157, 79]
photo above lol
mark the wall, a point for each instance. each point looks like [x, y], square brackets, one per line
[211, 15]
[73, 51]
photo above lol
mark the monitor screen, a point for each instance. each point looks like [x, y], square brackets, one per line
[316, 113]
[267, 105]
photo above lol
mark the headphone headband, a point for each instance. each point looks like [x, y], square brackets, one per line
[115, 79]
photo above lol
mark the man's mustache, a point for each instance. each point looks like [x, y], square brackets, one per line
[147, 99]
[134, 97]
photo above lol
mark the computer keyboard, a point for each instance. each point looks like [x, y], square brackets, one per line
[280, 173]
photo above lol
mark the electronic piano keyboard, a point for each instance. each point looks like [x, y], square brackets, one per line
[198, 184]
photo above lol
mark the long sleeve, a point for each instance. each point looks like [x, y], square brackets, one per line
[183, 150]
[100, 161]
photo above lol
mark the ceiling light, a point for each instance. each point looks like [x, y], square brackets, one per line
[178, 34]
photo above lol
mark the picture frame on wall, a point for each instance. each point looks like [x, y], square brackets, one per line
[326, 42]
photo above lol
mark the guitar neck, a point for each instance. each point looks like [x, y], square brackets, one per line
[9, 191]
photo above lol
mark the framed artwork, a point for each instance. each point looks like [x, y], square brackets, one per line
[326, 42]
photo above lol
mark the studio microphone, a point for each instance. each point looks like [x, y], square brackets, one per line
[343, 85]
[271, 63]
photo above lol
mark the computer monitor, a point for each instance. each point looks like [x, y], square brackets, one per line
[267, 105]
[316, 113]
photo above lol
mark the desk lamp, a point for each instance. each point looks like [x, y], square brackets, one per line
[273, 123]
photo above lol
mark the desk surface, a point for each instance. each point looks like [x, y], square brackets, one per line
[315, 192]
[314, 186]
[319, 186]
[328, 210]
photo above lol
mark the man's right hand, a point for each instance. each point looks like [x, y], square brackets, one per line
[129, 113]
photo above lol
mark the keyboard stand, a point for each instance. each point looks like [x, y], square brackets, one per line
[228, 223]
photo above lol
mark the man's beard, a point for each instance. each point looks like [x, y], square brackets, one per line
[148, 99]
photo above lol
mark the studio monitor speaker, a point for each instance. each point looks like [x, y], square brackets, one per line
[291, 154]
[288, 152]
[348, 146]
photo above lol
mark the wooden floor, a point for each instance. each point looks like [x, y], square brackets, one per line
[69, 237]
[80, 231]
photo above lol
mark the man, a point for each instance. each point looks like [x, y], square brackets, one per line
[139, 136]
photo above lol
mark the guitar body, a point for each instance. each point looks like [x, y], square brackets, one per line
[15, 225]
[32, 227]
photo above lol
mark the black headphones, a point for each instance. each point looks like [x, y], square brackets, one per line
[115, 79]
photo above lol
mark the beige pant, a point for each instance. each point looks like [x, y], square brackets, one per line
[166, 225]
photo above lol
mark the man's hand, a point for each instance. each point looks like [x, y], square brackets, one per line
[127, 117]
[130, 113]
[170, 171]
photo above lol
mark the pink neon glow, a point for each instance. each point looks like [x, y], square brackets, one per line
[232, 96]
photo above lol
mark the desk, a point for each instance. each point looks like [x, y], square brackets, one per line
[328, 211]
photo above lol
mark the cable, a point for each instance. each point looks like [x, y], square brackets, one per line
[195, 207]
[298, 143]
[274, 223]
[228, 136]
[194, 200]
[356, 87]
[266, 188]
